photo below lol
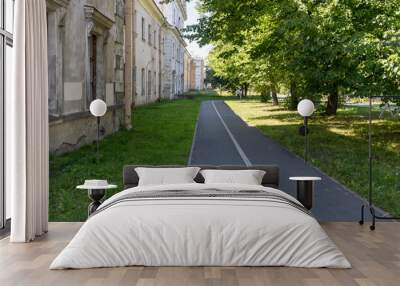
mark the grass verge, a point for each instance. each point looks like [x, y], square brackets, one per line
[338, 145]
[162, 134]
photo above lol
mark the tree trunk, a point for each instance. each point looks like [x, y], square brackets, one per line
[246, 89]
[264, 96]
[333, 101]
[293, 100]
[274, 96]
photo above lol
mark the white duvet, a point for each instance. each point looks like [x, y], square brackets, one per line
[202, 232]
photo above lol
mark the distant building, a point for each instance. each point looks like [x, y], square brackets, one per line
[197, 74]
[149, 46]
[174, 47]
[187, 71]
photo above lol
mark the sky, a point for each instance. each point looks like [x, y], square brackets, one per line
[193, 16]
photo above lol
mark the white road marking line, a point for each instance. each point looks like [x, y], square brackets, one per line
[238, 148]
[194, 139]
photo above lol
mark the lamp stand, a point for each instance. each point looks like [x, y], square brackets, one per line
[98, 139]
[370, 177]
[305, 139]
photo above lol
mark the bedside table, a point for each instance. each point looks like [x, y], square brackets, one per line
[95, 194]
[305, 190]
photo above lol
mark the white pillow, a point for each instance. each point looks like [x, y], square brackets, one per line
[166, 176]
[248, 177]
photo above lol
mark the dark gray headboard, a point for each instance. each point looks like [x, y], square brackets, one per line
[271, 178]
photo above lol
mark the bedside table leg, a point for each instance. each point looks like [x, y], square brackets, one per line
[93, 207]
[305, 193]
[95, 196]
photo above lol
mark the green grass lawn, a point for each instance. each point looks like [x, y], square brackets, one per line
[338, 145]
[162, 134]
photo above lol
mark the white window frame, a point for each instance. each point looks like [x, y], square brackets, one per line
[6, 39]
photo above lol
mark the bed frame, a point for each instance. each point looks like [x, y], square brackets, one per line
[270, 179]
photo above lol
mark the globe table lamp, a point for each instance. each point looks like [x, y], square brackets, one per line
[305, 108]
[98, 108]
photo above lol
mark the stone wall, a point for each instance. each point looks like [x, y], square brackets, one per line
[74, 131]
[73, 59]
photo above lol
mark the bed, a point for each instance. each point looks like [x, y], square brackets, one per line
[199, 224]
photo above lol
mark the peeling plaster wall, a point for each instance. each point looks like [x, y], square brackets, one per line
[70, 122]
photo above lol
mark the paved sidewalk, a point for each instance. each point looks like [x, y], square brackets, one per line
[224, 138]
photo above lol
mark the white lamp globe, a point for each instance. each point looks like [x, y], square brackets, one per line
[305, 108]
[98, 107]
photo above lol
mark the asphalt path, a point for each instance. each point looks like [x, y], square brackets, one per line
[223, 138]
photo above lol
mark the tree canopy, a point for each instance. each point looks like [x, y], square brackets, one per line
[313, 48]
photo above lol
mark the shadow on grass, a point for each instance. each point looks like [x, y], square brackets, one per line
[346, 159]
[339, 146]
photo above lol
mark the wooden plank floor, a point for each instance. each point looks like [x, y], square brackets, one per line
[375, 257]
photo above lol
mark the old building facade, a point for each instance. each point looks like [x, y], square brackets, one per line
[126, 52]
[174, 47]
[149, 51]
[187, 70]
[85, 50]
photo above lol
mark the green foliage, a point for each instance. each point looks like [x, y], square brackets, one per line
[320, 47]
[230, 64]
[213, 79]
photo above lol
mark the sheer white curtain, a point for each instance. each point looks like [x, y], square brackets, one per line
[27, 124]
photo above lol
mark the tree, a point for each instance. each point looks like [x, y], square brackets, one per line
[314, 48]
[213, 79]
[231, 64]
